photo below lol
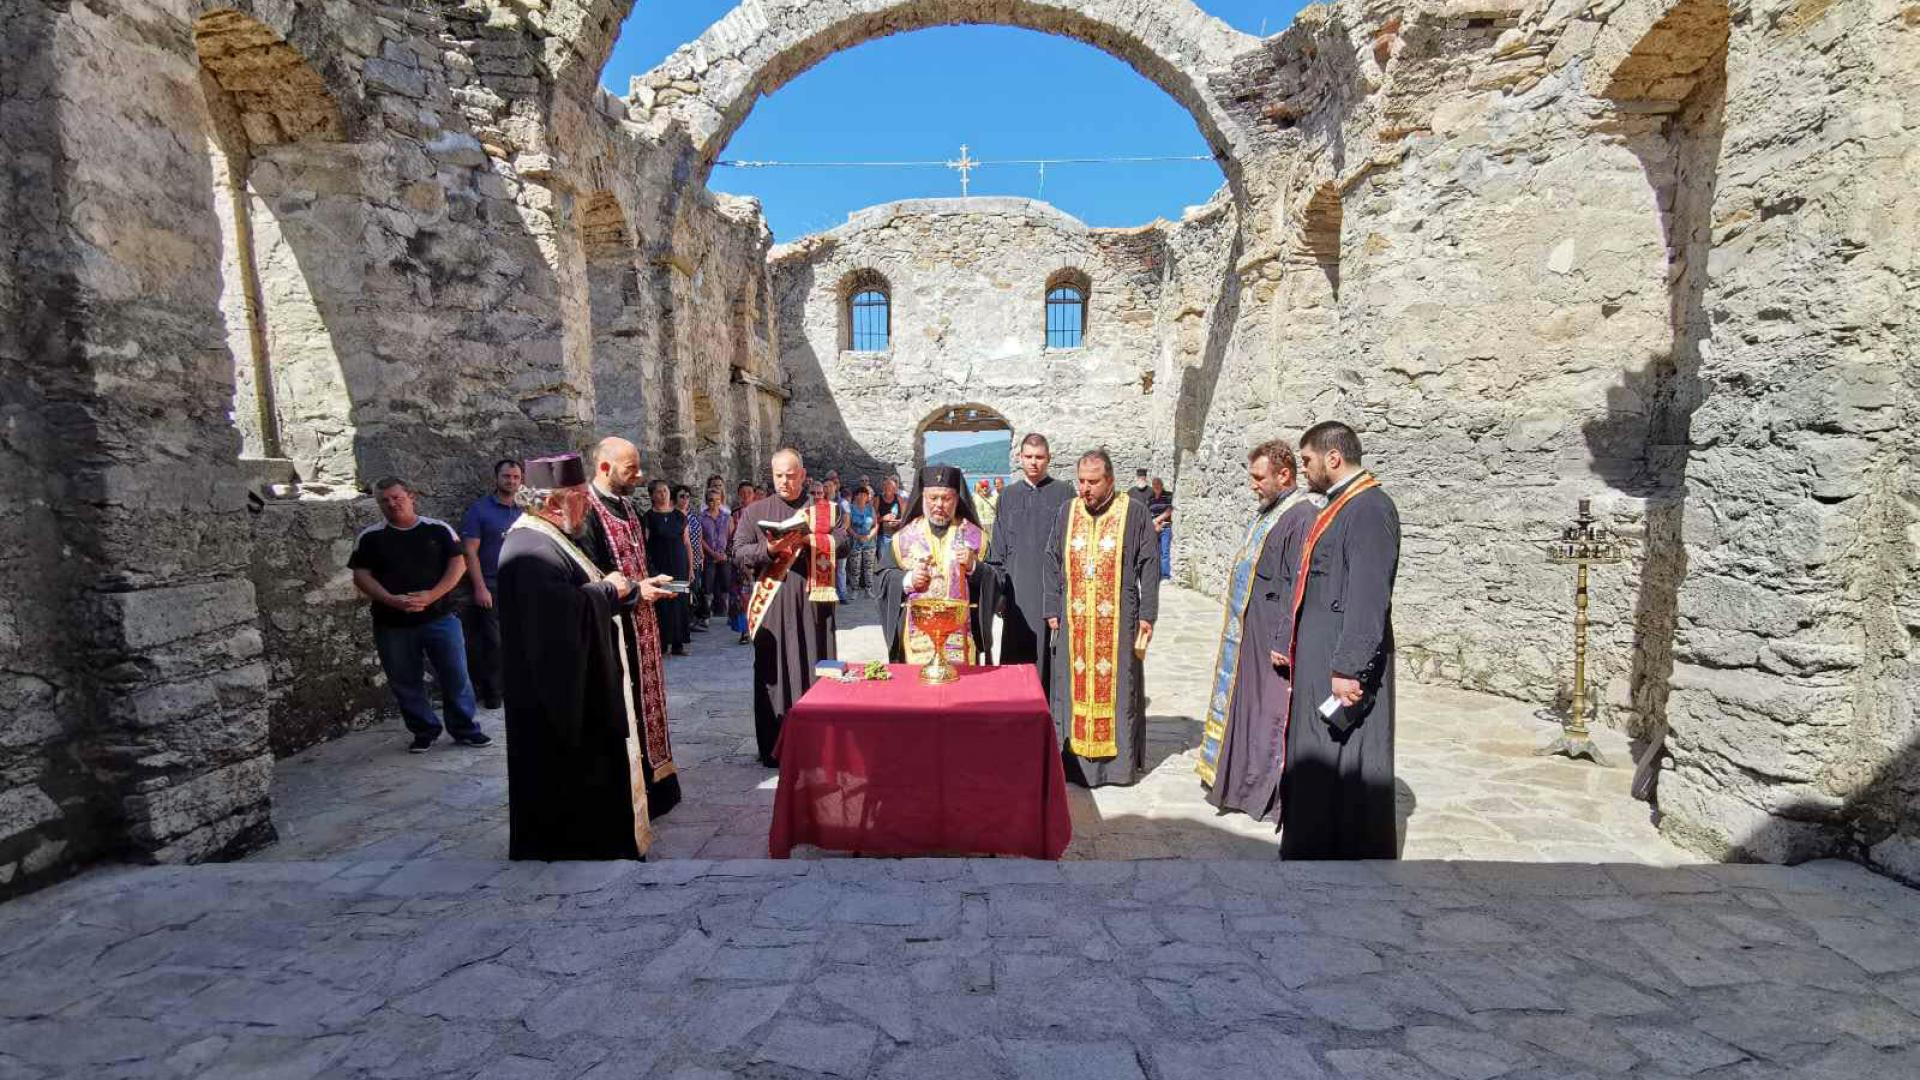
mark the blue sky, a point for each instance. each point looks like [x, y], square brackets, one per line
[1006, 93]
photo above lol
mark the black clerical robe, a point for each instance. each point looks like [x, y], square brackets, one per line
[982, 593]
[1018, 555]
[569, 784]
[1247, 771]
[642, 646]
[1139, 599]
[1336, 791]
[796, 633]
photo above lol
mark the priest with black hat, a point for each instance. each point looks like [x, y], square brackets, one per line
[937, 553]
[576, 778]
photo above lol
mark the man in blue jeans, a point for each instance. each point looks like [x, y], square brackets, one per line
[408, 565]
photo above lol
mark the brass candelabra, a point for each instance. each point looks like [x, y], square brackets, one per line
[1582, 544]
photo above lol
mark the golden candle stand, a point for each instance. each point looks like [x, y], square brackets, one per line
[1582, 544]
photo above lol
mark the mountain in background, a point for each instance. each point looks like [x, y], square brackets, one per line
[980, 459]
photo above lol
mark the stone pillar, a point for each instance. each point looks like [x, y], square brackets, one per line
[1793, 730]
[155, 703]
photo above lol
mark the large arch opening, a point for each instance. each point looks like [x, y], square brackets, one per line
[710, 85]
[285, 189]
[976, 439]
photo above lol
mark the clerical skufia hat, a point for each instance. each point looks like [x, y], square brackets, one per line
[559, 471]
[942, 476]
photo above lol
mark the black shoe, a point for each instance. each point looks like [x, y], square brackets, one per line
[492, 703]
[679, 650]
[476, 738]
[699, 628]
[421, 743]
[745, 640]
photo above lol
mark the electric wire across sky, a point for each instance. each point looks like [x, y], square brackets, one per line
[964, 164]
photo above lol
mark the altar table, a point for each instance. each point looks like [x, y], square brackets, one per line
[898, 767]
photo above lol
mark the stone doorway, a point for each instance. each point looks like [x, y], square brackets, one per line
[976, 438]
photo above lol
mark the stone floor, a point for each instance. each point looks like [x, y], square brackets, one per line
[962, 970]
[1470, 785]
[1539, 928]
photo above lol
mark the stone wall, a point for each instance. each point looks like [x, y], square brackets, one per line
[323, 677]
[1793, 686]
[968, 280]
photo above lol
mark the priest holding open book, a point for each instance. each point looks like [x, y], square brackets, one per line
[790, 546]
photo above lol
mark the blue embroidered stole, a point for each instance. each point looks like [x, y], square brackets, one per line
[1226, 665]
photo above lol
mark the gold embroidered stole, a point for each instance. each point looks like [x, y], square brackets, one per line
[636, 761]
[917, 542]
[1092, 604]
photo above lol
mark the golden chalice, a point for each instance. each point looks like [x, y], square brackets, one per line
[939, 619]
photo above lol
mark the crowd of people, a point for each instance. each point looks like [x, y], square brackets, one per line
[578, 589]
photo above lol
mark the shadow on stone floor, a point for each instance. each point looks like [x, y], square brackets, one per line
[870, 968]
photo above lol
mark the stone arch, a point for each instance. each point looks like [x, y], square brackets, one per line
[618, 315]
[710, 85]
[1316, 232]
[275, 124]
[968, 416]
[1656, 52]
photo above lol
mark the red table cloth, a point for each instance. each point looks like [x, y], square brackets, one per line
[897, 767]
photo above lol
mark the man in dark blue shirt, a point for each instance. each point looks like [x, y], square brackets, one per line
[482, 529]
[407, 565]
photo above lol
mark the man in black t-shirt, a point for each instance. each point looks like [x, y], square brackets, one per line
[407, 565]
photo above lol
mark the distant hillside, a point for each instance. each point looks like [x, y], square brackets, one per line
[980, 459]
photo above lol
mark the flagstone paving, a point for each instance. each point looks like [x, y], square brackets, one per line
[1470, 786]
[916, 969]
[385, 936]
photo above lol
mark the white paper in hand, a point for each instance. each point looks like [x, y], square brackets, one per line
[1330, 706]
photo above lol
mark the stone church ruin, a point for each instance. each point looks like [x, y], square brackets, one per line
[1659, 253]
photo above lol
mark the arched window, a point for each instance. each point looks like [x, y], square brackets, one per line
[872, 318]
[869, 312]
[1066, 310]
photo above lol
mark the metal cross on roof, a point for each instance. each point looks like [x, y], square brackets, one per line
[966, 165]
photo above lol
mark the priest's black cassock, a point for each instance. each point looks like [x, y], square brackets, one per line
[569, 793]
[1139, 599]
[796, 633]
[1247, 773]
[1022, 524]
[983, 589]
[663, 794]
[1336, 793]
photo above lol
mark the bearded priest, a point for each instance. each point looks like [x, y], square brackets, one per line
[1102, 597]
[937, 553]
[1245, 733]
[576, 773]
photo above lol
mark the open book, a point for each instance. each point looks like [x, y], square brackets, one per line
[800, 522]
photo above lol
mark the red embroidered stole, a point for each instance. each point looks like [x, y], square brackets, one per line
[819, 569]
[630, 554]
[1095, 575]
[1365, 482]
[822, 584]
